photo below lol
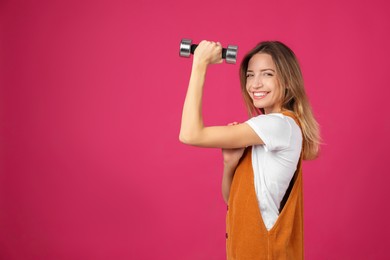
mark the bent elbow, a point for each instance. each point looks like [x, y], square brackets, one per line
[226, 199]
[187, 139]
[184, 138]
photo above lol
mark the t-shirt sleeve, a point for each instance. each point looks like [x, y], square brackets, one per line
[274, 130]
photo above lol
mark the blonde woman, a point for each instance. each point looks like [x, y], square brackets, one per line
[262, 179]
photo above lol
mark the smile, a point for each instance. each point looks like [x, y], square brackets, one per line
[260, 95]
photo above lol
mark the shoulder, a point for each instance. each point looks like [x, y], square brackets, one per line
[278, 131]
[276, 126]
[275, 120]
[292, 120]
[274, 129]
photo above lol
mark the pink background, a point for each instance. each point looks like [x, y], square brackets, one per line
[90, 105]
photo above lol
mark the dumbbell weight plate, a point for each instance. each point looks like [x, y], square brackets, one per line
[185, 48]
[231, 54]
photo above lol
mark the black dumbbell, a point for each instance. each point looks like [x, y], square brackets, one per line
[229, 54]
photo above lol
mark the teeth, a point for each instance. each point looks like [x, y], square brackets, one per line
[257, 94]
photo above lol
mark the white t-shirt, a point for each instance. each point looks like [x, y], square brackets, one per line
[275, 162]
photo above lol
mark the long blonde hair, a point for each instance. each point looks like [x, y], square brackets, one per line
[294, 97]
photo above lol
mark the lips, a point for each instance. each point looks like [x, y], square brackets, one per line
[260, 94]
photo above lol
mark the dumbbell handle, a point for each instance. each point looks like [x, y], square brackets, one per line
[193, 47]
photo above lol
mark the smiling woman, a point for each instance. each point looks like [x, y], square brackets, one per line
[262, 180]
[262, 84]
[290, 85]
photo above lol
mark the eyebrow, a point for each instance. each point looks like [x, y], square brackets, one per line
[261, 70]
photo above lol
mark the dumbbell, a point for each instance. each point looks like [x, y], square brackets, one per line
[229, 54]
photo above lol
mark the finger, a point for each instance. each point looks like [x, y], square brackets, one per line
[204, 43]
[218, 47]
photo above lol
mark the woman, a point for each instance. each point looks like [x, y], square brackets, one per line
[262, 182]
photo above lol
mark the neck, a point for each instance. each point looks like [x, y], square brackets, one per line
[273, 110]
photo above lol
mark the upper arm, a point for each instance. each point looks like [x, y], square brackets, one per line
[234, 136]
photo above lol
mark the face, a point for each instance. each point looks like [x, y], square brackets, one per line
[262, 83]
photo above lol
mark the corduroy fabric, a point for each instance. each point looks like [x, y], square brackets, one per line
[247, 237]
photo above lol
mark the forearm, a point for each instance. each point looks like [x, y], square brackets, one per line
[192, 120]
[228, 174]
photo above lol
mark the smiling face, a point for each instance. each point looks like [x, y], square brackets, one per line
[262, 83]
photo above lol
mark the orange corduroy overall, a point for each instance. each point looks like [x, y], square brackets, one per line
[247, 238]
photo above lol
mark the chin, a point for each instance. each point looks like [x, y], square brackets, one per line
[259, 105]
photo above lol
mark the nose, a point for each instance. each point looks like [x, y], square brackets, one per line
[257, 82]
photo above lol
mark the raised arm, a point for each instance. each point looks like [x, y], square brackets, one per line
[193, 131]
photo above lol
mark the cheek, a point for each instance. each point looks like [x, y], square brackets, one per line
[278, 94]
[276, 87]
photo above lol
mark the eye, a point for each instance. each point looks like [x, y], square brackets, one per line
[268, 74]
[249, 75]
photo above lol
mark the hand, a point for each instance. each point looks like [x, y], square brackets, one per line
[208, 53]
[231, 157]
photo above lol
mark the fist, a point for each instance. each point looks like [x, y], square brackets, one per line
[208, 52]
